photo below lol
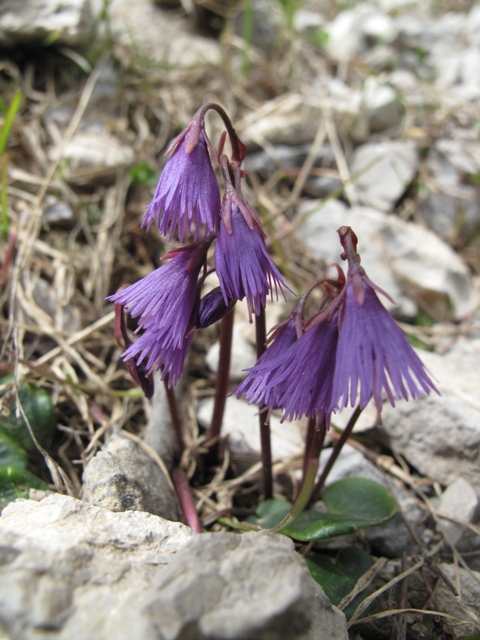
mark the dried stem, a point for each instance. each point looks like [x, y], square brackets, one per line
[265, 438]
[186, 500]
[223, 378]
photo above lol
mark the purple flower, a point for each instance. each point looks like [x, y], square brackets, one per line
[299, 379]
[373, 354]
[243, 265]
[187, 193]
[304, 380]
[151, 354]
[212, 308]
[164, 300]
[256, 387]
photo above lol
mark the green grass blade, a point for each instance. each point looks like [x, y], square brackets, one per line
[9, 118]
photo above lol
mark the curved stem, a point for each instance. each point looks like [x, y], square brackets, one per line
[335, 453]
[223, 379]
[265, 437]
[186, 499]
[237, 146]
[310, 473]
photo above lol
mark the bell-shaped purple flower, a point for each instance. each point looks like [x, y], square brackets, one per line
[187, 193]
[373, 355]
[256, 386]
[243, 266]
[299, 379]
[304, 381]
[164, 301]
[150, 352]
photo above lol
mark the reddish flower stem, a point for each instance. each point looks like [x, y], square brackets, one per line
[223, 378]
[264, 421]
[176, 421]
[334, 455]
[186, 499]
[238, 148]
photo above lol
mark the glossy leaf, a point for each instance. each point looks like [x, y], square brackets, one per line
[352, 503]
[40, 413]
[16, 483]
[11, 452]
[337, 578]
[270, 513]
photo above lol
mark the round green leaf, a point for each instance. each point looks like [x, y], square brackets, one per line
[270, 513]
[352, 503]
[40, 413]
[11, 452]
[16, 483]
[338, 578]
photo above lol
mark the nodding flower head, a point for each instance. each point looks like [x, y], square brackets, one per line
[373, 355]
[257, 387]
[187, 194]
[212, 308]
[164, 302]
[243, 266]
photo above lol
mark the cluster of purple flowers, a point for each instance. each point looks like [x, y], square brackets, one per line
[187, 204]
[347, 353]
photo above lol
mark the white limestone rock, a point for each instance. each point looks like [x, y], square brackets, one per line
[241, 425]
[403, 258]
[382, 171]
[440, 435]
[34, 22]
[71, 571]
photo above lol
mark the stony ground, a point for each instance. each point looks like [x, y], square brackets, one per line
[365, 114]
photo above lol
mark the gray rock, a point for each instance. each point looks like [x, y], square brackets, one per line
[382, 171]
[350, 32]
[308, 22]
[291, 119]
[67, 566]
[58, 213]
[267, 23]
[243, 356]
[404, 259]
[450, 207]
[136, 28]
[37, 21]
[467, 602]
[123, 477]
[159, 432]
[93, 152]
[382, 105]
[319, 232]
[460, 501]
[440, 435]
[51, 300]
[241, 425]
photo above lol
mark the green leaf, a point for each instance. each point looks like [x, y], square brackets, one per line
[352, 503]
[270, 513]
[144, 174]
[338, 578]
[11, 452]
[16, 483]
[40, 413]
